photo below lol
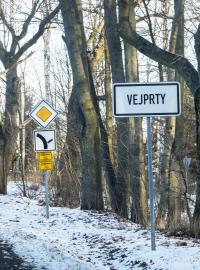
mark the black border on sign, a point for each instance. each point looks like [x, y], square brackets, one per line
[35, 120]
[146, 114]
[37, 130]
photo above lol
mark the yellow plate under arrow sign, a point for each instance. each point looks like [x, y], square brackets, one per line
[46, 166]
[45, 156]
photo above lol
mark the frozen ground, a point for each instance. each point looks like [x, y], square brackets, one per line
[82, 240]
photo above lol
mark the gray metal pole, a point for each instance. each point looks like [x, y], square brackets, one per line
[186, 176]
[45, 178]
[151, 189]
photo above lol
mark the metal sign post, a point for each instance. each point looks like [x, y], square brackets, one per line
[147, 100]
[45, 178]
[45, 164]
[150, 180]
[44, 141]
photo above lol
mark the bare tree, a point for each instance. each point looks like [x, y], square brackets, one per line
[10, 57]
[116, 61]
[183, 67]
[82, 104]
[136, 148]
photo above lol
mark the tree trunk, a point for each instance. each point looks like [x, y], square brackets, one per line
[169, 134]
[3, 170]
[189, 74]
[91, 184]
[196, 216]
[91, 189]
[174, 211]
[170, 183]
[47, 58]
[9, 132]
[108, 94]
[9, 126]
[115, 53]
[139, 207]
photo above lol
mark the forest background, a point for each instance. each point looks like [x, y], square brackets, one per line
[70, 52]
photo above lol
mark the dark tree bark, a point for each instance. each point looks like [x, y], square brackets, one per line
[8, 137]
[86, 118]
[138, 181]
[185, 69]
[171, 60]
[174, 200]
[115, 52]
[196, 216]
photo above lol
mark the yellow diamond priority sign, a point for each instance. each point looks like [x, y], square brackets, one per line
[43, 113]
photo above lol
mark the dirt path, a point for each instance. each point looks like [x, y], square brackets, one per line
[9, 260]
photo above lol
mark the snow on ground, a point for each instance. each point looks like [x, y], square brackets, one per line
[85, 240]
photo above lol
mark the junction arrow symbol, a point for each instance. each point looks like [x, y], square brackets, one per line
[45, 142]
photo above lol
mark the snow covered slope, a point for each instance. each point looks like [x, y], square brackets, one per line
[85, 240]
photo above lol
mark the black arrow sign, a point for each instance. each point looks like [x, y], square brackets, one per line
[45, 142]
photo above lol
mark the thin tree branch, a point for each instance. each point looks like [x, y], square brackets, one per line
[17, 63]
[197, 48]
[27, 21]
[175, 26]
[37, 35]
[179, 63]
[3, 53]
[8, 26]
[152, 37]
[155, 15]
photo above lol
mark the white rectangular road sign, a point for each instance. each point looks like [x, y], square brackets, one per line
[44, 140]
[146, 99]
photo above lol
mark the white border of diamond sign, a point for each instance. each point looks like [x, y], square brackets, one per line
[33, 113]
